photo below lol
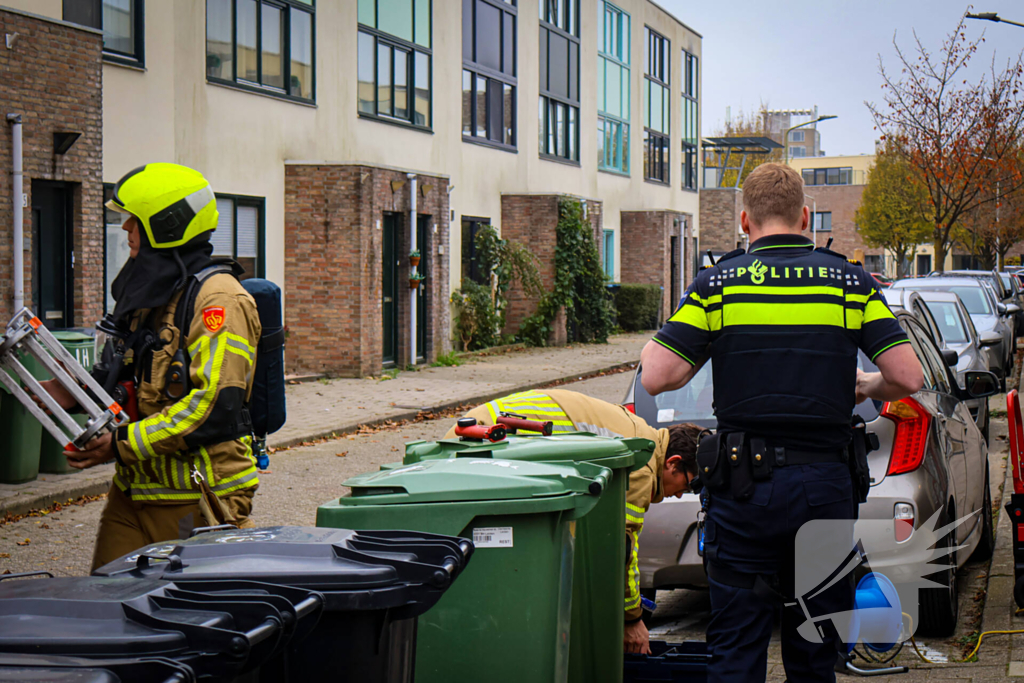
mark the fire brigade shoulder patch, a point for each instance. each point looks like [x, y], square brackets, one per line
[213, 317]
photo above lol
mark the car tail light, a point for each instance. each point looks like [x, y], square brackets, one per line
[630, 407]
[912, 423]
[903, 521]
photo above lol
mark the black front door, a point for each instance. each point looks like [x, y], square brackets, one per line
[389, 289]
[423, 245]
[53, 261]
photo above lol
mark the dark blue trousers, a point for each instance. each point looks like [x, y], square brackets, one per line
[756, 537]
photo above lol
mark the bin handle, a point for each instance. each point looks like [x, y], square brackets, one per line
[207, 529]
[25, 575]
[268, 628]
[143, 561]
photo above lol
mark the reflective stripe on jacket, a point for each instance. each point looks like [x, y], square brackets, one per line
[157, 453]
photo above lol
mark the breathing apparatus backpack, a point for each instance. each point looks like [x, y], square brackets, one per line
[267, 406]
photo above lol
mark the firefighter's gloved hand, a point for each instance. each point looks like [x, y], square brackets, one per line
[98, 451]
[636, 639]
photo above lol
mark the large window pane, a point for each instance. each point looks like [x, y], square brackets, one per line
[245, 13]
[247, 240]
[119, 26]
[601, 159]
[481, 106]
[558, 65]
[401, 84]
[613, 88]
[467, 29]
[423, 22]
[395, 17]
[384, 79]
[223, 238]
[574, 71]
[368, 12]
[272, 35]
[301, 54]
[219, 59]
[365, 73]
[495, 94]
[423, 75]
[508, 45]
[488, 35]
[571, 134]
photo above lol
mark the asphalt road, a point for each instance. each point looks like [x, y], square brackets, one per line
[299, 480]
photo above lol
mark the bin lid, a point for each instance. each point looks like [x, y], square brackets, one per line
[469, 479]
[381, 569]
[126, 617]
[51, 669]
[615, 453]
[70, 337]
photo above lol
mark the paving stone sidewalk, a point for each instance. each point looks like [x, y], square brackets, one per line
[318, 408]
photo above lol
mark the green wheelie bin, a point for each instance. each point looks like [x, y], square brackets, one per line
[20, 433]
[51, 453]
[507, 619]
[599, 579]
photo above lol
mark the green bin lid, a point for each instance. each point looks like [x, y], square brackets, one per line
[474, 479]
[71, 337]
[615, 453]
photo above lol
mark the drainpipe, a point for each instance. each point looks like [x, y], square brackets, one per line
[413, 299]
[19, 220]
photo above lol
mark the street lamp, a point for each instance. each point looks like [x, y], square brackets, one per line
[993, 17]
[814, 213]
[809, 123]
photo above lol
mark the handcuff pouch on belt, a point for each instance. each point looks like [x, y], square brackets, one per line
[733, 461]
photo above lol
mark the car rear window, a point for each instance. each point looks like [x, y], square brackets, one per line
[973, 297]
[948, 320]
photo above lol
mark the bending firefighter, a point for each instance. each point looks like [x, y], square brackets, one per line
[184, 376]
[666, 475]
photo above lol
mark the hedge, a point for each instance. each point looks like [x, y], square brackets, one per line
[638, 307]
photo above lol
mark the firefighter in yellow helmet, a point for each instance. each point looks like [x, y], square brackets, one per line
[666, 475]
[185, 460]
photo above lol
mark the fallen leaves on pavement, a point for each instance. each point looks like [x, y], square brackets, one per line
[342, 454]
[8, 518]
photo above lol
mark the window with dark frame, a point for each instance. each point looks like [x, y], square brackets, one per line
[266, 46]
[470, 268]
[394, 61]
[123, 25]
[657, 106]
[489, 72]
[613, 92]
[559, 101]
[823, 221]
[240, 232]
[691, 120]
[827, 176]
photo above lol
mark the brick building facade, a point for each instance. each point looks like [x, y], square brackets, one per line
[720, 219]
[532, 220]
[651, 253]
[841, 203]
[336, 216]
[52, 79]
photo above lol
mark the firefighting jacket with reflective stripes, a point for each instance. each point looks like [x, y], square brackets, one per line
[782, 324]
[157, 454]
[571, 411]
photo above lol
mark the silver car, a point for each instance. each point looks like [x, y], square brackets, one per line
[1003, 291]
[947, 319]
[995, 332]
[942, 465]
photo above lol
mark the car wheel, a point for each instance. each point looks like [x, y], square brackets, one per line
[987, 544]
[940, 606]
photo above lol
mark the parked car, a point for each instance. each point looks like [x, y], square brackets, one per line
[1003, 294]
[995, 331]
[882, 280]
[946, 317]
[932, 457]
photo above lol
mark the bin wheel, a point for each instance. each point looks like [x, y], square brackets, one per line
[1018, 592]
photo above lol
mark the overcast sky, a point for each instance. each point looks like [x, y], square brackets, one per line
[799, 53]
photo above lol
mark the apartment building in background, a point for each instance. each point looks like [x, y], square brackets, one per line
[803, 142]
[324, 127]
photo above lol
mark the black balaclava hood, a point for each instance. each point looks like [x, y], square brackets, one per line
[150, 279]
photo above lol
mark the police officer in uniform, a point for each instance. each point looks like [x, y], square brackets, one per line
[186, 461]
[782, 323]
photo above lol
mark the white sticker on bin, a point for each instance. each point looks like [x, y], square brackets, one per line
[666, 415]
[493, 537]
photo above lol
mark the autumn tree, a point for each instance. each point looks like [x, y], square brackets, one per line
[893, 212]
[953, 132]
[749, 124]
[989, 231]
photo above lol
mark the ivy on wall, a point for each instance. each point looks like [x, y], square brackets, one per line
[579, 284]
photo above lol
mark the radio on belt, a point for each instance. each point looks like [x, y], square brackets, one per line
[25, 333]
